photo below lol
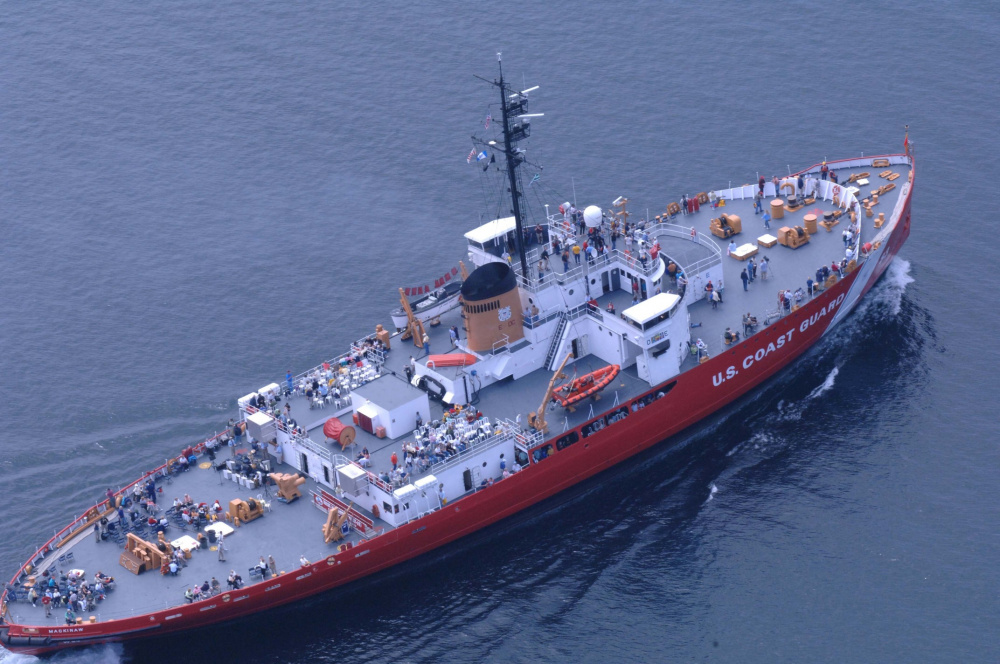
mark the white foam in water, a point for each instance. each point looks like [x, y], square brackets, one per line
[8, 657]
[108, 654]
[712, 490]
[889, 291]
[897, 278]
[827, 384]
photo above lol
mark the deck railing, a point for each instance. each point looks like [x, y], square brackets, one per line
[341, 460]
[356, 347]
[60, 536]
[473, 448]
[304, 441]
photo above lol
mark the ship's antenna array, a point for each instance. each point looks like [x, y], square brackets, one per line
[516, 126]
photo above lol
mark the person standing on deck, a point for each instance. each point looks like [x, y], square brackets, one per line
[824, 171]
[237, 435]
[752, 269]
[427, 344]
[765, 268]
[453, 336]
[222, 548]
[288, 381]
[745, 278]
[272, 565]
[767, 220]
[777, 186]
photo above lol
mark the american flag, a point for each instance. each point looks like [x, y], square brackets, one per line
[472, 154]
[489, 118]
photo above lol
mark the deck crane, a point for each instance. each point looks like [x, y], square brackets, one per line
[536, 420]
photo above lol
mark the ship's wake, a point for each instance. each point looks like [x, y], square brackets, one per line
[880, 335]
[106, 654]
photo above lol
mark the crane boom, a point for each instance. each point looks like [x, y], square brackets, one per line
[536, 420]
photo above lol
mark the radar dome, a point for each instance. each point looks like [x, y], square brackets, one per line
[592, 216]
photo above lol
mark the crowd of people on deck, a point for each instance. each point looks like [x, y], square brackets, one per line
[206, 589]
[195, 514]
[55, 589]
[253, 463]
[458, 429]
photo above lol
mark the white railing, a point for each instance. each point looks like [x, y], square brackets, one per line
[699, 266]
[474, 447]
[356, 347]
[500, 345]
[373, 479]
[303, 441]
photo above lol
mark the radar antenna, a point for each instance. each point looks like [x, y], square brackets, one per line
[516, 125]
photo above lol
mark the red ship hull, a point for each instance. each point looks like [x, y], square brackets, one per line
[581, 453]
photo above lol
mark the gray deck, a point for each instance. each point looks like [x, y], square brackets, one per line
[288, 531]
[790, 268]
[293, 530]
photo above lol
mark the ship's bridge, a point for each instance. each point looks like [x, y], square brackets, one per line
[488, 242]
[650, 314]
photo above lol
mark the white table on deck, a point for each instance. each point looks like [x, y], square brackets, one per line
[745, 251]
[220, 528]
[767, 240]
[185, 543]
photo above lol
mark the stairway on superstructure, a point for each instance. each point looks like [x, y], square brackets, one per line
[556, 338]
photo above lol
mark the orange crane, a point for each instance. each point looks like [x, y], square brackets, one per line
[414, 328]
[536, 420]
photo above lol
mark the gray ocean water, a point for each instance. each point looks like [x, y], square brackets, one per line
[196, 197]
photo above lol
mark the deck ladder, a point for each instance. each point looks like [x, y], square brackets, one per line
[556, 338]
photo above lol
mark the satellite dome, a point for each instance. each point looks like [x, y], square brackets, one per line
[592, 216]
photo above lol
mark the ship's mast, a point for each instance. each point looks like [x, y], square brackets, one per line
[507, 102]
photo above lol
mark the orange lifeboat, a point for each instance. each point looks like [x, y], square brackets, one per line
[451, 360]
[588, 385]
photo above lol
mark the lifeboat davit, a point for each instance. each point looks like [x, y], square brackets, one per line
[585, 386]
